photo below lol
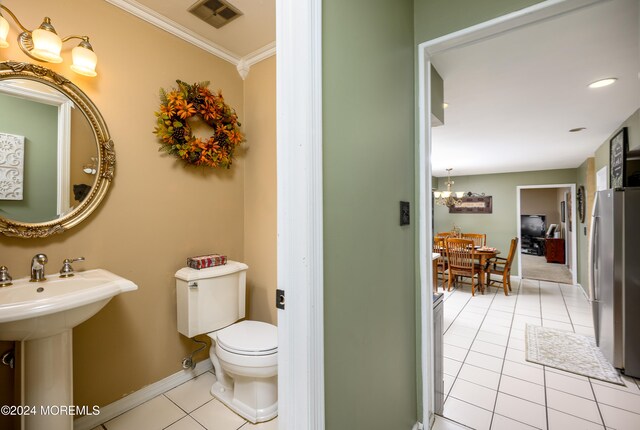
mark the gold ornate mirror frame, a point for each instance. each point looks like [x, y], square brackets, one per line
[106, 154]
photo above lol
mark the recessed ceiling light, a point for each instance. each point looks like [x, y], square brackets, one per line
[574, 130]
[602, 83]
[445, 105]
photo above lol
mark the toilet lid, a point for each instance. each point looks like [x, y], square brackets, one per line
[249, 338]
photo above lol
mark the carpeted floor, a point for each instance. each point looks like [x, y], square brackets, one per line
[534, 267]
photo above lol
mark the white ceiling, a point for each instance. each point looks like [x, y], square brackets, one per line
[514, 98]
[249, 33]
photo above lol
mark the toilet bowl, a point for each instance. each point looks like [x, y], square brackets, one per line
[244, 353]
[245, 359]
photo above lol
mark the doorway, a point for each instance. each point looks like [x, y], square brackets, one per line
[547, 10]
[547, 233]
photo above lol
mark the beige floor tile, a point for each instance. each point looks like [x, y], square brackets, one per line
[157, 413]
[617, 398]
[524, 371]
[521, 410]
[619, 419]
[186, 423]
[573, 405]
[484, 361]
[480, 376]
[467, 414]
[561, 421]
[568, 384]
[522, 389]
[503, 423]
[194, 393]
[441, 423]
[451, 367]
[474, 394]
[488, 348]
[216, 416]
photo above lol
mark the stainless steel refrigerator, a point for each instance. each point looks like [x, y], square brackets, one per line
[615, 277]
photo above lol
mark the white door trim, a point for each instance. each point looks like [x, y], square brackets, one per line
[574, 235]
[300, 225]
[538, 12]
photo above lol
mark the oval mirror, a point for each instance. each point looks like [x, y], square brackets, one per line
[56, 158]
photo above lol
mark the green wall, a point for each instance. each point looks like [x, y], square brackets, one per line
[435, 18]
[369, 259]
[582, 238]
[501, 225]
[18, 116]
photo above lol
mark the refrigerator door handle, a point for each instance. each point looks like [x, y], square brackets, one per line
[592, 252]
[593, 261]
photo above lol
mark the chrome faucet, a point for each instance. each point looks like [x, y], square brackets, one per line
[37, 267]
[67, 270]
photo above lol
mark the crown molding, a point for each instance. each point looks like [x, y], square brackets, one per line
[164, 23]
[243, 64]
[256, 56]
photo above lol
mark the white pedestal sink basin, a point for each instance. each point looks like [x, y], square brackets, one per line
[41, 316]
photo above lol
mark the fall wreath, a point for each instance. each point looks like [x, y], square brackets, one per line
[175, 133]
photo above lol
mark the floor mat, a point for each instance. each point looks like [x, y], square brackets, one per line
[570, 352]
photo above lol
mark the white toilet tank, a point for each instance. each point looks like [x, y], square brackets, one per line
[210, 299]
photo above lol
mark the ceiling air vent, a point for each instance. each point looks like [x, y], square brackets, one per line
[215, 12]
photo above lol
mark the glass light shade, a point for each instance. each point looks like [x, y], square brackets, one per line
[4, 31]
[437, 194]
[84, 61]
[459, 194]
[46, 45]
[446, 194]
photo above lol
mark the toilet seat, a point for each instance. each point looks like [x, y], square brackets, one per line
[249, 338]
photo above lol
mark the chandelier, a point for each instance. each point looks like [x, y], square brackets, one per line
[448, 198]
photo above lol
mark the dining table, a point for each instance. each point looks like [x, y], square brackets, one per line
[483, 254]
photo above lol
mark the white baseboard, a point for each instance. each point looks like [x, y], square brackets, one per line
[137, 398]
[417, 426]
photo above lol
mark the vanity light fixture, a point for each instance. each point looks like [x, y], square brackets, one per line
[602, 83]
[44, 44]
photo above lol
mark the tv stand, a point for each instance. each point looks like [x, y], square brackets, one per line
[533, 245]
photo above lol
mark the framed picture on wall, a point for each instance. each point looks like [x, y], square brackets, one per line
[618, 158]
[562, 218]
[569, 213]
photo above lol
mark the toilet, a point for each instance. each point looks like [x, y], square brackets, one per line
[244, 353]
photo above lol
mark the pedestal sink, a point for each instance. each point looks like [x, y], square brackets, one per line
[41, 316]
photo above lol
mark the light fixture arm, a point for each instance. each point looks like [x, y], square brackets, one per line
[15, 18]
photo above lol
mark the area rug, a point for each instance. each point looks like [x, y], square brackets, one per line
[571, 352]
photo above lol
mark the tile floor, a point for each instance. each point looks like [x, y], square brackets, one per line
[189, 406]
[490, 385]
[488, 382]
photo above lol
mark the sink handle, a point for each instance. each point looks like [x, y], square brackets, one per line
[5, 277]
[67, 270]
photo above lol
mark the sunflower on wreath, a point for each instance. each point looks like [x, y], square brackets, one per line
[175, 134]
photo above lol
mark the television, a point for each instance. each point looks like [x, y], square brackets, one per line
[532, 225]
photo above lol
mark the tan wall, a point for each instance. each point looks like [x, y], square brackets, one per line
[156, 213]
[260, 190]
[541, 201]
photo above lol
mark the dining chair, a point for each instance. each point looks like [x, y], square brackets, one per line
[478, 239]
[462, 261]
[439, 246]
[502, 267]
